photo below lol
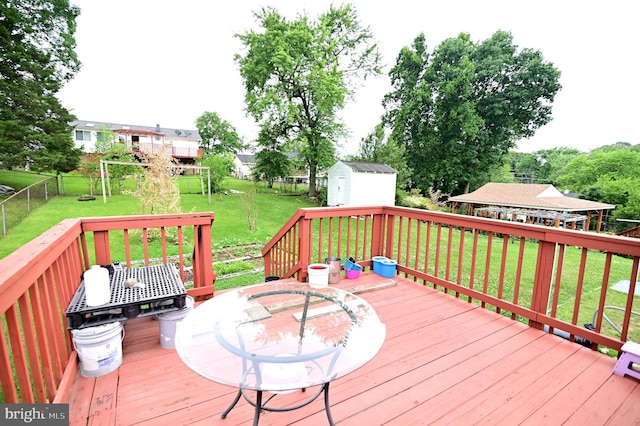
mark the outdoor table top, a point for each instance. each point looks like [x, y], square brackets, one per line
[279, 336]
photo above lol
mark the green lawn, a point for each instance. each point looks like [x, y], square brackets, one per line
[231, 224]
[19, 180]
[230, 227]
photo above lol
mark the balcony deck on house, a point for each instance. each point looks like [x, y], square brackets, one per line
[485, 320]
[444, 361]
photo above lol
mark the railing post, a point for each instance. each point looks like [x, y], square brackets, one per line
[267, 264]
[377, 234]
[390, 236]
[203, 275]
[101, 246]
[542, 280]
[304, 245]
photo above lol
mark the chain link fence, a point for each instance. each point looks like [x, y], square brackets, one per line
[19, 205]
[22, 203]
[92, 186]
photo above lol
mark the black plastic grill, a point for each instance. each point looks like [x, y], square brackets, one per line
[163, 291]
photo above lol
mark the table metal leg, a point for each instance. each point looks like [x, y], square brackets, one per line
[258, 404]
[256, 417]
[327, 408]
[233, 404]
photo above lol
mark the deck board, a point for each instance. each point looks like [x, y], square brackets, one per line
[444, 361]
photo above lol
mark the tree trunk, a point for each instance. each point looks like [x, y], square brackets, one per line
[312, 180]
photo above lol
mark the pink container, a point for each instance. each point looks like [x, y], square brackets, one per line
[352, 274]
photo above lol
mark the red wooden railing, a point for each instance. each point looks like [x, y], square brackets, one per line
[549, 277]
[540, 275]
[37, 282]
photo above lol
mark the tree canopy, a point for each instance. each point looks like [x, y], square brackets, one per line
[218, 135]
[298, 75]
[376, 147]
[460, 109]
[543, 166]
[609, 175]
[37, 51]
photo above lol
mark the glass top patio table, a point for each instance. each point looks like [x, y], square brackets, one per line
[279, 336]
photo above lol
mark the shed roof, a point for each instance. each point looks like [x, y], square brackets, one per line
[362, 167]
[538, 196]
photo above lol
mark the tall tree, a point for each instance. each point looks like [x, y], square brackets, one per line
[271, 161]
[377, 147]
[218, 135]
[298, 74]
[37, 51]
[459, 110]
[220, 167]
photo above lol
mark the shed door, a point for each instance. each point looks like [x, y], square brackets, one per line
[341, 196]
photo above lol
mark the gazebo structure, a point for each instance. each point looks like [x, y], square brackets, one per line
[531, 203]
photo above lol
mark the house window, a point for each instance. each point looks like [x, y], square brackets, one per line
[135, 138]
[83, 135]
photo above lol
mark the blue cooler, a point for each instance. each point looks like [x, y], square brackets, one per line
[387, 268]
[377, 264]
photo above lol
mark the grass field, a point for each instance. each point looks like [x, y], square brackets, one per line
[19, 180]
[230, 227]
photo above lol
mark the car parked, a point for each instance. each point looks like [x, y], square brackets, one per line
[6, 190]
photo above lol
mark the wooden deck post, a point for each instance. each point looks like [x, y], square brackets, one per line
[304, 243]
[101, 247]
[542, 280]
[203, 275]
[377, 234]
[390, 236]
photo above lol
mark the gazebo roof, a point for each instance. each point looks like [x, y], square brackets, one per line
[529, 196]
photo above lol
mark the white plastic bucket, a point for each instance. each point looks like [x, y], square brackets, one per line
[168, 322]
[318, 275]
[99, 348]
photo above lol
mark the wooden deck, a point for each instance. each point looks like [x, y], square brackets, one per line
[444, 361]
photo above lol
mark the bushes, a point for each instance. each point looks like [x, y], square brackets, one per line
[436, 200]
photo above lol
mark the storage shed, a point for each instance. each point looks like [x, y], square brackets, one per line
[352, 183]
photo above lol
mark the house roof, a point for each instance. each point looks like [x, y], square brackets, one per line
[537, 196]
[132, 128]
[246, 158]
[362, 167]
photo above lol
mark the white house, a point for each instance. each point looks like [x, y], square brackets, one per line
[353, 183]
[243, 165]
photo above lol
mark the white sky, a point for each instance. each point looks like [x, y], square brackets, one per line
[166, 62]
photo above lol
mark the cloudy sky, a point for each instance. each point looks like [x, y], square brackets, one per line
[166, 62]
